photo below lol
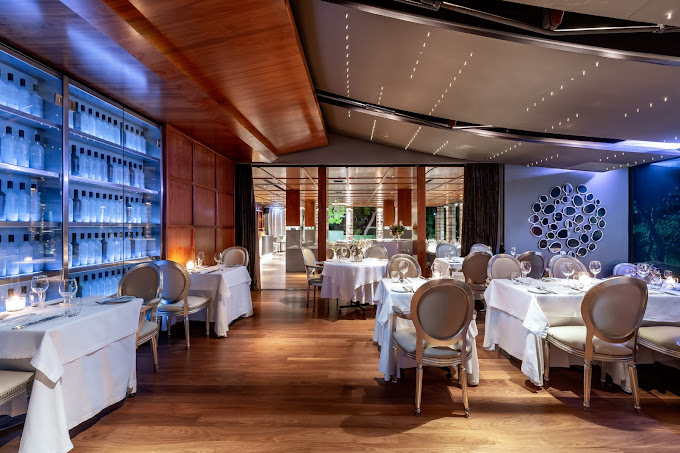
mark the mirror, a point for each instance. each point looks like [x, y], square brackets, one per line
[565, 199]
[589, 197]
[598, 202]
[577, 229]
[545, 221]
[578, 219]
[571, 253]
[569, 211]
[555, 247]
[601, 224]
[592, 246]
[534, 218]
[543, 199]
[550, 235]
[536, 207]
[543, 244]
[557, 217]
[597, 235]
[555, 192]
[589, 208]
[562, 234]
[585, 238]
[581, 188]
[568, 223]
[536, 231]
[577, 201]
[587, 227]
[582, 252]
[553, 227]
[601, 212]
[556, 202]
[568, 188]
[593, 220]
[549, 209]
[572, 243]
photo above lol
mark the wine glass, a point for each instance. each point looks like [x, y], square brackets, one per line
[200, 258]
[513, 251]
[525, 267]
[39, 285]
[218, 259]
[403, 268]
[514, 276]
[643, 270]
[595, 268]
[68, 288]
[568, 270]
[395, 276]
[667, 274]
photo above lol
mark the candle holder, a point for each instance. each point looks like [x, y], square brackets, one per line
[190, 265]
[15, 303]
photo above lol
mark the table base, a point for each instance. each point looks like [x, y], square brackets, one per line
[353, 304]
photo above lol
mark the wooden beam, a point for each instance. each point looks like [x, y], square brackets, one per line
[309, 213]
[404, 206]
[323, 217]
[292, 207]
[388, 212]
[420, 218]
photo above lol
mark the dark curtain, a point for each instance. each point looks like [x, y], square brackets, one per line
[481, 206]
[246, 219]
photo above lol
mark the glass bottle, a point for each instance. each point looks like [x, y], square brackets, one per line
[140, 177]
[96, 129]
[85, 207]
[82, 118]
[100, 209]
[126, 173]
[98, 250]
[26, 256]
[37, 154]
[24, 97]
[96, 170]
[12, 92]
[23, 159]
[109, 169]
[36, 102]
[142, 142]
[3, 258]
[77, 208]
[84, 168]
[92, 206]
[109, 130]
[8, 150]
[3, 211]
[105, 249]
[90, 122]
[91, 168]
[102, 167]
[11, 203]
[85, 287]
[38, 254]
[131, 177]
[24, 206]
[84, 250]
[12, 253]
[35, 203]
[75, 250]
[126, 246]
[3, 91]
[117, 247]
[116, 132]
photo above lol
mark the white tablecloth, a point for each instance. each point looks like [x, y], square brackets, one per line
[517, 321]
[229, 292]
[382, 332]
[445, 266]
[352, 280]
[83, 364]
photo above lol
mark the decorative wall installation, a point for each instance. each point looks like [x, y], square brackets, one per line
[568, 219]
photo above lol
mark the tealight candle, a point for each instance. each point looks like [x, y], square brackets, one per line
[670, 282]
[15, 303]
[190, 265]
[584, 279]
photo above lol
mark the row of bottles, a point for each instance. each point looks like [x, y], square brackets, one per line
[20, 205]
[18, 97]
[108, 247]
[27, 257]
[99, 283]
[103, 208]
[109, 168]
[98, 124]
[18, 151]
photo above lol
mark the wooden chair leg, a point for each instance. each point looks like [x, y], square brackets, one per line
[314, 289]
[168, 320]
[463, 384]
[307, 295]
[154, 352]
[587, 377]
[632, 370]
[419, 387]
[603, 372]
[546, 361]
[207, 321]
[186, 330]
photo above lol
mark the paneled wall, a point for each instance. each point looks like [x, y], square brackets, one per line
[199, 199]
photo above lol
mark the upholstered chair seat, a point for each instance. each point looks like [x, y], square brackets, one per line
[664, 339]
[406, 339]
[13, 384]
[176, 307]
[575, 337]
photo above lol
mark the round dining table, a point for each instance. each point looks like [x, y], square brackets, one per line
[350, 280]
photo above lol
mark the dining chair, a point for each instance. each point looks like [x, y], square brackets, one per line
[441, 311]
[13, 384]
[377, 251]
[313, 269]
[235, 255]
[146, 282]
[502, 266]
[475, 267]
[612, 312]
[479, 247]
[557, 261]
[175, 299]
[537, 263]
[413, 266]
[624, 269]
[445, 248]
[663, 339]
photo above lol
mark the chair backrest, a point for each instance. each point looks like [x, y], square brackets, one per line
[502, 266]
[624, 268]
[176, 281]
[479, 247]
[537, 263]
[377, 251]
[445, 248]
[557, 261]
[475, 267]
[613, 310]
[236, 255]
[329, 253]
[441, 311]
[144, 281]
[394, 262]
[310, 262]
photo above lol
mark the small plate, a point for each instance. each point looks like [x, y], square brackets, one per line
[538, 291]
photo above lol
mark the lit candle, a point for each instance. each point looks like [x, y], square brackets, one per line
[670, 282]
[15, 303]
[584, 279]
[190, 265]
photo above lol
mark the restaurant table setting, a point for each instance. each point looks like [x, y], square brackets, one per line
[445, 266]
[394, 293]
[84, 358]
[228, 288]
[352, 280]
[521, 310]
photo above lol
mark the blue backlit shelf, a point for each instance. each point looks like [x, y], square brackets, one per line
[110, 146]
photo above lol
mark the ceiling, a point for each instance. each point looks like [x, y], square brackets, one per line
[228, 74]
[356, 186]
[448, 74]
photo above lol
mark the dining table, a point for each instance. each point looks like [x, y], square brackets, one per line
[228, 288]
[447, 266]
[350, 280]
[390, 294]
[520, 312]
[82, 364]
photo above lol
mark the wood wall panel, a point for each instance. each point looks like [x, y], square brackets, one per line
[309, 213]
[204, 166]
[404, 206]
[420, 217]
[292, 207]
[199, 212]
[388, 212]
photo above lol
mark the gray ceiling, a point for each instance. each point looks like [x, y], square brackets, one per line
[487, 81]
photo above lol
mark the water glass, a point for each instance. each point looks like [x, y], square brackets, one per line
[39, 285]
[200, 258]
[643, 270]
[667, 274]
[568, 270]
[395, 276]
[595, 268]
[218, 258]
[403, 268]
[515, 277]
[68, 288]
[525, 267]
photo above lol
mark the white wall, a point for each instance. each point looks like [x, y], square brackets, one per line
[523, 185]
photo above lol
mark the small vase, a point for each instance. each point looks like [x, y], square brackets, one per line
[358, 257]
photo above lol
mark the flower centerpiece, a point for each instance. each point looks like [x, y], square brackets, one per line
[397, 230]
[356, 249]
[334, 248]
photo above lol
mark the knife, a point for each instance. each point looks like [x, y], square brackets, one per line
[32, 323]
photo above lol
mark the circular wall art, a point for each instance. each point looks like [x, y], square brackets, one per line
[570, 228]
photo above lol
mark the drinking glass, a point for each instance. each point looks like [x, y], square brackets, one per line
[643, 270]
[655, 281]
[667, 274]
[39, 285]
[513, 251]
[68, 288]
[568, 270]
[515, 277]
[218, 258]
[595, 268]
[403, 268]
[395, 276]
[200, 258]
[525, 267]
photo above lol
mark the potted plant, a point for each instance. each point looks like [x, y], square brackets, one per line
[397, 230]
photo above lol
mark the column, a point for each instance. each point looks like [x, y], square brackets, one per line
[421, 227]
[322, 214]
[349, 223]
[379, 223]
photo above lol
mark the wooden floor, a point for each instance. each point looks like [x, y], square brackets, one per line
[273, 273]
[291, 379]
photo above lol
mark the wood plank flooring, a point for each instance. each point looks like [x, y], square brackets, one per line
[291, 379]
[273, 273]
